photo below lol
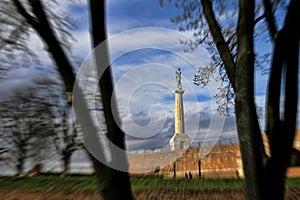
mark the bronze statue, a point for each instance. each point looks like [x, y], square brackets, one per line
[178, 78]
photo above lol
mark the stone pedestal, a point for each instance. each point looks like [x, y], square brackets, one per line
[179, 140]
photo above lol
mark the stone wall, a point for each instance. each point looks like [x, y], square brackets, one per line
[217, 161]
[214, 161]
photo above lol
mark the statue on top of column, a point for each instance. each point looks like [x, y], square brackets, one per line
[178, 78]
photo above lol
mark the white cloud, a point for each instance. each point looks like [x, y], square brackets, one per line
[148, 37]
[20, 79]
[82, 46]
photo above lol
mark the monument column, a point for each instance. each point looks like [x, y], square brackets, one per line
[179, 140]
[179, 113]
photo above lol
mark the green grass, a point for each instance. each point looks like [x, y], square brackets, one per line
[137, 182]
[293, 183]
[49, 182]
[140, 183]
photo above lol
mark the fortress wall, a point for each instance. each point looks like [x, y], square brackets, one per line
[217, 161]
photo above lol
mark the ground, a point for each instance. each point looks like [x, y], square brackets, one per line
[17, 194]
[52, 187]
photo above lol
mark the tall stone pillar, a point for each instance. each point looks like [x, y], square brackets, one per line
[179, 140]
[179, 113]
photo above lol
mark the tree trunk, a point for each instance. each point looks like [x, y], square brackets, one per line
[246, 117]
[43, 28]
[281, 127]
[114, 184]
[66, 162]
[264, 180]
[219, 40]
[20, 166]
[21, 157]
[117, 182]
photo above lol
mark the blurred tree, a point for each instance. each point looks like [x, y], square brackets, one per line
[70, 141]
[66, 138]
[13, 30]
[113, 184]
[228, 29]
[27, 126]
[38, 20]
[16, 35]
[282, 88]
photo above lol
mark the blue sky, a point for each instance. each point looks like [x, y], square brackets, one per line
[145, 53]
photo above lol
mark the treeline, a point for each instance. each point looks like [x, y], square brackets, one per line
[37, 125]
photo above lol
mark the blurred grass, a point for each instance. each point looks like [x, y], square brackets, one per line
[49, 182]
[138, 183]
[293, 183]
[150, 182]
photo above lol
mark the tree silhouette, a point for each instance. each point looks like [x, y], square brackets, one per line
[38, 20]
[231, 46]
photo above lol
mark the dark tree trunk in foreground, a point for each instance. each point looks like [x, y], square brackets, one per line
[281, 127]
[245, 109]
[264, 177]
[241, 76]
[118, 183]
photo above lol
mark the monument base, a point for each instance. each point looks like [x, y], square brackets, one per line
[179, 141]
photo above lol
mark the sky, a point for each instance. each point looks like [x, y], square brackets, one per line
[145, 53]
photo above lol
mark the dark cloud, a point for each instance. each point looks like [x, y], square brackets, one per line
[162, 138]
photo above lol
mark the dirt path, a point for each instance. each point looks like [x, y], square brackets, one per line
[6, 194]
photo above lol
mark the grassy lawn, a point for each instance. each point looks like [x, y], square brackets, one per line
[138, 183]
[49, 182]
[144, 182]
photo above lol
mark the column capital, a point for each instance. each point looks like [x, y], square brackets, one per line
[179, 91]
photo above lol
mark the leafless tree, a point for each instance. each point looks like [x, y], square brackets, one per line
[66, 139]
[36, 14]
[27, 126]
[228, 30]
